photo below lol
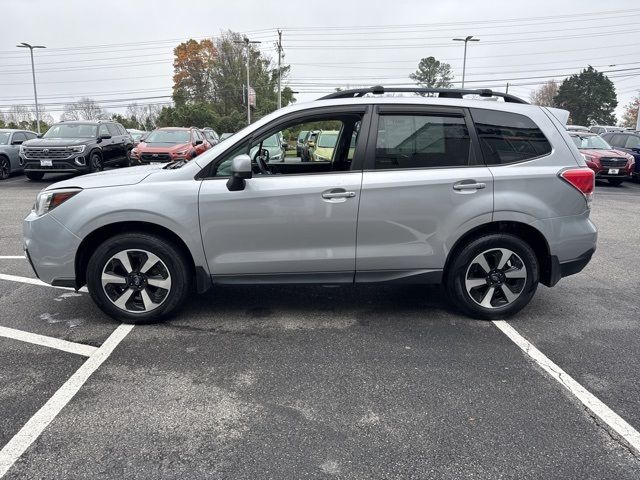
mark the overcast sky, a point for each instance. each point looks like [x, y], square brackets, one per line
[118, 50]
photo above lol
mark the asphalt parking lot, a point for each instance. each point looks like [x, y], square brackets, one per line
[317, 382]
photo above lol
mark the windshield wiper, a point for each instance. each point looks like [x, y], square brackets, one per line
[174, 164]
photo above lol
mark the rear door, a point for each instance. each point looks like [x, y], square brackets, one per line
[422, 186]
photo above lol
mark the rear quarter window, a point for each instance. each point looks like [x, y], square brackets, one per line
[507, 137]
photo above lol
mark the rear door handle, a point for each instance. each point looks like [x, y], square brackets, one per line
[337, 193]
[466, 185]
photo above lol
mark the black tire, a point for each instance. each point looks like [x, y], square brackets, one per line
[35, 175]
[616, 182]
[173, 259]
[95, 163]
[5, 168]
[461, 264]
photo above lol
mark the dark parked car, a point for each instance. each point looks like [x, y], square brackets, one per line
[606, 162]
[628, 142]
[10, 141]
[300, 142]
[76, 147]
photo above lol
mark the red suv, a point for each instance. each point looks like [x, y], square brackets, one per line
[169, 144]
[607, 163]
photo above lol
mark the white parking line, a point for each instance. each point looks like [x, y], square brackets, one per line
[51, 342]
[34, 281]
[29, 433]
[12, 257]
[611, 418]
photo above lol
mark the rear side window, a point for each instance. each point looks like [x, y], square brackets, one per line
[508, 137]
[421, 141]
[113, 130]
[632, 141]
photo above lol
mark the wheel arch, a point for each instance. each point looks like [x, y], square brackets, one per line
[99, 235]
[531, 235]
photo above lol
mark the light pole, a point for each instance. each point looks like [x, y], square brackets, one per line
[464, 60]
[247, 43]
[33, 73]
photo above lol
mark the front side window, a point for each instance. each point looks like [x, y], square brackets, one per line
[19, 137]
[113, 130]
[508, 137]
[4, 137]
[421, 141]
[72, 130]
[103, 130]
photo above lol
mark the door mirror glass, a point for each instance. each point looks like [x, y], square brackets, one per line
[240, 170]
[198, 142]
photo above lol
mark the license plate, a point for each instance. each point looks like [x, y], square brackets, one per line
[613, 171]
[46, 163]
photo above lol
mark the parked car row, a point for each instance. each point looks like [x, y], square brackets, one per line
[613, 156]
[90, 146]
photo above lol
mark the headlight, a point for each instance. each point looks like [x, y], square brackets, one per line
[276, 157]
[47, 201]
[134, 152]
[21, 149]
[78, 148]
[181, 152]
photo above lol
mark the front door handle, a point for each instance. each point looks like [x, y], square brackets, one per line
[468, 185]
[337, 193]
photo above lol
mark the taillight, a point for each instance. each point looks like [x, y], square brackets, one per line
[582, 179]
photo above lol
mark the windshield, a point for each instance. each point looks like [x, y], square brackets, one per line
[327, 140]
[72, 130]
[4, 138]
[595, 142]
[168, 136]
[271, 141]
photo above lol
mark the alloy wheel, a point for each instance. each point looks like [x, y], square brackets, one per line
[4, 169]
[495, 278]
[136, 281]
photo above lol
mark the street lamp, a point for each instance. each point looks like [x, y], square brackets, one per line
[33, 73]
[245, 41]
[464, 61]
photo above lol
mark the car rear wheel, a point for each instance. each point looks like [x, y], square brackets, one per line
[616, 181]
[5, 168]
[35, 175]
[138, 277]
[493, 276]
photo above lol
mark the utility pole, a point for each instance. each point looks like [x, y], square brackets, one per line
[279, 68]
[33, 73]
[247, 44]
[507, 89]
[464, 60]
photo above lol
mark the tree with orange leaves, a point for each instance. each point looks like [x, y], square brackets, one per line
[193, 67]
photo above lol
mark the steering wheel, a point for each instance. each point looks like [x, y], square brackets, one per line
[261, 157]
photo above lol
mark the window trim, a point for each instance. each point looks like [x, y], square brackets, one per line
[473, 159]
[316, 112]
[484, 160]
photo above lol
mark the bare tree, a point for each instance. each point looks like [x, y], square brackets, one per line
[19, 115]
[145, 116]
[545, 95]
[84, 109]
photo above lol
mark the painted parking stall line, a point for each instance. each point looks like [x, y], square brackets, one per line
[12, 257]
[51, 342]
[30, 432]
[35, 281]
[593, 403]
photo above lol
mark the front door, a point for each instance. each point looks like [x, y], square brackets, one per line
[422, 186]
[292, 221]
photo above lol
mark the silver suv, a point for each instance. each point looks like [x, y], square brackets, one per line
[489, 198]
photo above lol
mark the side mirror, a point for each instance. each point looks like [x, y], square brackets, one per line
[198, 142]
[40, 135]
[105, 136]
[285, 146]
[240, 170]
[17, 142]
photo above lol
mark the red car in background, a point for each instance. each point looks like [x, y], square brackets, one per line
[607, 163]
[169, 144]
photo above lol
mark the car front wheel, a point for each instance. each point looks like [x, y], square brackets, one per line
[35, 175]
[493, 276]
[138, 277]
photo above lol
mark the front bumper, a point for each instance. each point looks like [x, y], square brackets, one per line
[69, 165]
[50, 248]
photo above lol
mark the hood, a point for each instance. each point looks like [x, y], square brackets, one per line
[111, 178]
[596, 153]
[162, 147]
[57, 142]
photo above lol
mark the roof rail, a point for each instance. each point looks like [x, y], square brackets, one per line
[442, 93]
